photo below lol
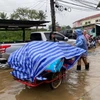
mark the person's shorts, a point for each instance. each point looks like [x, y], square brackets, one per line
[84, 54]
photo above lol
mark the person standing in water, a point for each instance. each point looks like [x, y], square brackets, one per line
[82, 43]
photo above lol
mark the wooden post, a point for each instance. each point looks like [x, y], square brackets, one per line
[52, 15]
[23, 34]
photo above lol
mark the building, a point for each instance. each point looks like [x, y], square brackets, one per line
[91, 24]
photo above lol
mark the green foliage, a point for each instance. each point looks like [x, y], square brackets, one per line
[50, 26]
[32, 14]
[3, 15]
[6, 36]
[66, 27]
[27, 14]
[62, 27]
[13, 36]
[20, 14]
[41, 15]
[24, 14]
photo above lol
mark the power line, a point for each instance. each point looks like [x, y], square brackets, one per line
[42, 5]
[77, 5]
[97, 0]
[84, 1]
[46, 6]
[77, 8]
[22, 3]
[33, 6]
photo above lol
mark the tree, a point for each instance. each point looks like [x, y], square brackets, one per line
[20, 14]
[3, 15]
[27, 14]
[24, 14]
[41, 15]
[50, 26]
[66, 27]
[32, 14]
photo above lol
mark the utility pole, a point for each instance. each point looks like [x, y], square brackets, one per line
[52, 15]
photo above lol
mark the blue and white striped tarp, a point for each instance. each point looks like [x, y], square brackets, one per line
[32, 59]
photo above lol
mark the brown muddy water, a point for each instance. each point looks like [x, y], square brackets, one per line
[83, 85]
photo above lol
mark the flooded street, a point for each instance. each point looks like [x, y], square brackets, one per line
[84, 85]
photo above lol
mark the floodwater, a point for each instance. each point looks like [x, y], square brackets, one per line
[83, 85]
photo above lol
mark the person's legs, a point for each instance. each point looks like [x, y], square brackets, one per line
[86, 63]
[95, 44]
[79, 64]
[84, 60]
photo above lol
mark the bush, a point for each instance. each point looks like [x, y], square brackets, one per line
[13, 36]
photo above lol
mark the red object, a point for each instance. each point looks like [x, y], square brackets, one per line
[3, 48]
[36, 83]
[66, 65]
[48, 71]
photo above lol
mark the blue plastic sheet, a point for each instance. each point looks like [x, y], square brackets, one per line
[33, 58]
[55, 66]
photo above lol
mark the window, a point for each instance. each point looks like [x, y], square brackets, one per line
[35, 36]
[93, 30]
[89, 22]
[80, 23]
[58, 36]
[85, 23]
[96, 20]
[47, 35]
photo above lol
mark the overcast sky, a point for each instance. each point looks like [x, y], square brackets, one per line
[63, 18]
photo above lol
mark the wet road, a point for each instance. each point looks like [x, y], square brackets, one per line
[84, 85]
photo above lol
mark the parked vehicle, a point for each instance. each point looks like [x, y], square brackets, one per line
[8, 48]
[45, 36]
[47, 63]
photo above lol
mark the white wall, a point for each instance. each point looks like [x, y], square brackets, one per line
[92, 21]
[82, 23]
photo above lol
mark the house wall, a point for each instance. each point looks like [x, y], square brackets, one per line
[91, 21]
[86, 22]
[76, 24]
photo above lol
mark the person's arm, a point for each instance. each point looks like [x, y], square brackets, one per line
[79, 43]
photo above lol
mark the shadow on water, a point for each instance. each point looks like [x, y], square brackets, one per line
[72, 88]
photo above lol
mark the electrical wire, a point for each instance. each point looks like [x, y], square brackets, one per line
[74, 7]
[84, 1]
[97, 0]
[46, 6]
[33, 6]
[42, 5]
[46, 9]
[37, 2]
[82, 6]
[77, 8]
[22, 3]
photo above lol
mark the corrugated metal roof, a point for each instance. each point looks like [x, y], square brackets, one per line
[20, 23]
